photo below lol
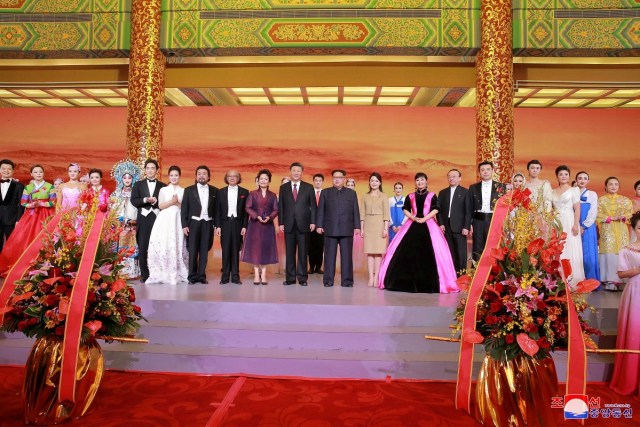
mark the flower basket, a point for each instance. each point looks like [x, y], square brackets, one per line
[519, 307]
[70, 295]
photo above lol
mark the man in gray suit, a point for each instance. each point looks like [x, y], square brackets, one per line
[337, 218]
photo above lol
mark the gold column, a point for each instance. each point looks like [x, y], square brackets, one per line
[494, 88]
[145, 115]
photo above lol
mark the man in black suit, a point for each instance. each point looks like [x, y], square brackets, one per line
[316, 241]
[454, 216]
[484, 195]
[231, 224]
[144, 196]
[10, 207]
[338, 218]
[297, 213]
[197, 214]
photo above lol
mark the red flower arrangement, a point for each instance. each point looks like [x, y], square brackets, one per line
[39, 304]
[523, 308]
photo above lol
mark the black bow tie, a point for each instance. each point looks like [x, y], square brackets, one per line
[5, 180]
[151, 180]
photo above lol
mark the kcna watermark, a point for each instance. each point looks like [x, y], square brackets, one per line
[582, 407]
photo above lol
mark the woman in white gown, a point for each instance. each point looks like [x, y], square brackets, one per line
[566, 202]
[167, 256]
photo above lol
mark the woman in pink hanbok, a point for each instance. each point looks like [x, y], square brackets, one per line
[626, 370]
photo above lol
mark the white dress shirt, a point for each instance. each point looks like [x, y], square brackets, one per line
[146, 211]
[232, 201]
[4, 187]
[452, 190]
[486, 196]
[297, 186]
[203, 195]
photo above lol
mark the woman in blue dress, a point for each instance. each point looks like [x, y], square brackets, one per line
[588, 214]
[396, 203]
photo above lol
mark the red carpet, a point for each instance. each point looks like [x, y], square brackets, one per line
[158, 399]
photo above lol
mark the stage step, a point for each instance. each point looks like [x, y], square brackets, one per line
[301, 339]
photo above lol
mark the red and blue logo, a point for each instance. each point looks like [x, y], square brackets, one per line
[576, 407]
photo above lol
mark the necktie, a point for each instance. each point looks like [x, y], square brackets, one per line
[295, 192]
[317, 197]
[5, 180]
[151, 180]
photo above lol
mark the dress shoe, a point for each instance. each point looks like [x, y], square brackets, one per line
[287, 283]
[257, 283]
[347, 285]
[236, 282]
[192, 282]
[303, 283]
[328, 285]
[265, 283]
[204, 282]
[143, 280]
[224, 282]
[318, 271]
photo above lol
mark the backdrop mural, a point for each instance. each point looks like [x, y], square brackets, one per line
[397, 142]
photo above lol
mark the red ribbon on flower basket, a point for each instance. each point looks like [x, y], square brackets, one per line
[469, 333]
[576, 350]
[75, 314]
[23, 264]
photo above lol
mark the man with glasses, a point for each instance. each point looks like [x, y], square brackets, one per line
[231, 225]
[338, 218]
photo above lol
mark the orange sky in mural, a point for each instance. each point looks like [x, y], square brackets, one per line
[396, 142]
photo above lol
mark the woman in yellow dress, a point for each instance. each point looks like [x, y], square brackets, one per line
[614, 212]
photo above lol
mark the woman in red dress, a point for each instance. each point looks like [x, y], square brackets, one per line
[96, 188]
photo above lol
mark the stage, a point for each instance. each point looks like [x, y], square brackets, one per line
[311, 331]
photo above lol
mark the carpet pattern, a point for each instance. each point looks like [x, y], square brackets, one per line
[161, 399]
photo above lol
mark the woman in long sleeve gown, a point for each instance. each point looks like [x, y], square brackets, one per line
[418, 259]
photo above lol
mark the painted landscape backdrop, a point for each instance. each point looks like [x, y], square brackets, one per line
[397, 142]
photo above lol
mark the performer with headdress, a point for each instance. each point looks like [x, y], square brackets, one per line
[126, 173]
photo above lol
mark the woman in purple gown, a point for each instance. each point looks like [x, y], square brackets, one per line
[260, 247]
[418, 259]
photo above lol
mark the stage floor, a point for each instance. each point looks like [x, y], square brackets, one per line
[312, 331]
[315, 293]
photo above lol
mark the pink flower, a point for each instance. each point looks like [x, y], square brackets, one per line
[105, 269]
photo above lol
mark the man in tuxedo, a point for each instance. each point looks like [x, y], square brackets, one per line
[484, 195]
[144, 196]
[231, 224]
[297, 213]
[10, 207]
[197, 214]
[454, 216]
[338, 218]
[316, 241]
